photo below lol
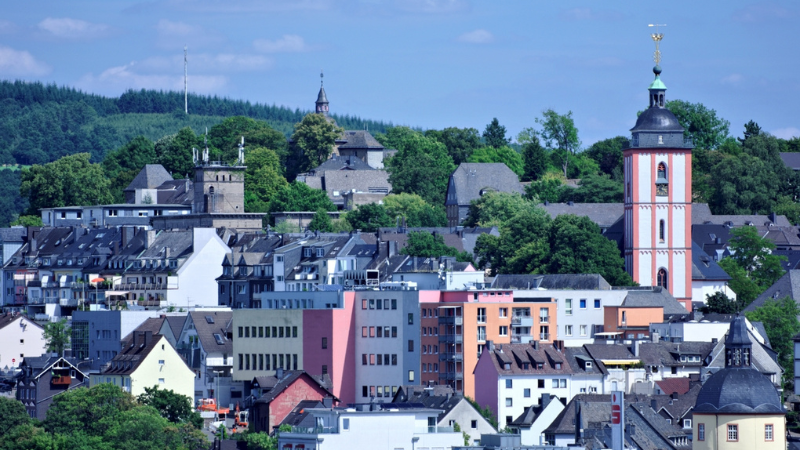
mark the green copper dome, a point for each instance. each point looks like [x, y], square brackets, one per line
[657, 84]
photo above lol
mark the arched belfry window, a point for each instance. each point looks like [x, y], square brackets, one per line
[662, 278]
[211, 190]
[662, 171]
[661, 230]
[662, 188]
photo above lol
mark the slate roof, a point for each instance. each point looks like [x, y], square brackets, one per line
[577, 357]
[289, 377]
[422, 398]
[530, 413]
[667, 354]
[791, 159]
[595, 410]
[701, 214]
[151, 324]
[521, 355]
[606, 352]
[788, 284]
[176, 192]
[300, 417]
[360, 139]
[762, 358]
[150, 177]
[680, 385]
[347, 180]
[563, 281]
[133, 353]
[471, 180]
[8, 318]
[740, 391]
[206, 330]
[603, 214]
[13, 234]
[653, 296]
[704, 267]
[652, 430]
[391, 234]
[175, 324]
[341, 162]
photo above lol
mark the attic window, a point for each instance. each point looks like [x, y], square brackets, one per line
[218, 338]
[307, 252]
[558, 366]
[507, 366]
[320, 252]
[209, 319]
[588, 364]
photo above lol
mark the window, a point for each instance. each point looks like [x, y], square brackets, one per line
[661, 233]
[503, 330]
[563, 382]
[555, 383]
[701, 432]
[410, 346]
[160, 381]
[363, 331]
[509, 401]
[568, 330]
[411, 375]
[364, 304]
[346, 424]
[568, 306]
[583, 303]
[597, 303]
[509, 383]
[247, 332]
[583, 330]
[160, 362]
[662, 278]
[474, 424]
[481, 315]
[394, 332]
[324, 343]
[503, 312]
[662, 171]
[410, 318]
[768, 435]
[481, 333]
[363, 359]
[733, 433]
[540, 384]
[526, 393]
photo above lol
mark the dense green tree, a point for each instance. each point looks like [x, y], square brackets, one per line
[89, 409]
[298, 196]
[57, 336]
[495, 134]
[743, 185]
[460, 142]
[594, 189]
[174, 152]
[123, 164]
[720, 303]
[415, 210]
[560, 135]
[750, 129]
[172, 406]
[505, 155]
[12, 414]
[753, 253]
[321, 222]
[262, 179]
[143, 428]
[424, 244]
[28, 221]
[369, 217]
[69, 181]
[547, 189]
[28, 437]
[780, 320]
[522, 246]
[421, 165]
[789, 208]
[12, 205]
[225, 137]
[495, 208]
[745, 288]
[534, 160]
[608, 154]
[315, 136]
[700, 123]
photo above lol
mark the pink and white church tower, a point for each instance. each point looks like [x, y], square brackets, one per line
[658, 200]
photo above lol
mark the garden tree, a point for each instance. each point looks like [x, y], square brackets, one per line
[369, 218]
[750, 129]
[581, 166]
[547, 189]
[608, 154]
[56, 336]
[721, 304]
[789, 208]
[224, 138]
[700, 123]
[321, 222]
[745, 288]
[12, 414]
[174, 152]
[560, 135]
[577, 246]
[143, 428]
[92, 410]
[30, 437]
[505, 155]
[415, 210]
[263, 441]
[460, 142]
[522, 246]
[780, 320]
[297, 196]
[315, 137]
[495, 134]
[28, 221]
[791, 145]
[753, 253]
[69, 181]
[743, 185]
[594, 189]
[421, 165]
[174, 407]
[12, 204]
[534, 160]
[123, 164]
[424, 244]
[495, 208]
[262, 178]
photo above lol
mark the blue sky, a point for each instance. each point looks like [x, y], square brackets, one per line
[425, 63]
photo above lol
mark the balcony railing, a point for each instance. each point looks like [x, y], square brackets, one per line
[451, 320]
[433, 429]
[450, 376]
[451, 356]
[544, 319]
[140, 286]
[451, 338]
[544, 336]
[315, 430]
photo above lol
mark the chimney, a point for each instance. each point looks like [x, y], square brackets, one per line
[142, 338]
[127, 234]
[773, 217]
[166, 252]
[654, 404]
[674, 396]
[149, 238]
[115, 248]
[714, 340]
[34, 245]
[545, 401]
[378, 245]
[327, 402]
[535, 344]
[490, 346]
[279, 373]
[636, 349]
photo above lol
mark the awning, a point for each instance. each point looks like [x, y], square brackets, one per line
[609, 333]
[619, 362]
[116, 293]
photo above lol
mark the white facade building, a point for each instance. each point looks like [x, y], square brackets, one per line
[20, 338]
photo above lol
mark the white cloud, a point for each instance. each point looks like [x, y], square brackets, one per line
[67, 28]
[786, 133]
[204, 62]
[734, 78]
[479, 36]
[121, 78]
[287, 43]
[7, 27]
[20, 63]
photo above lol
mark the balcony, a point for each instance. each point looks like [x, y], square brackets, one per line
[140, 286]
[35, 300]
[64, 380]
[450, 376]
[315, 430]
[68, 301]
[451, 338]
[451, 320]
[525, 321]
[520, 339]
[433, 430]
[451, 356]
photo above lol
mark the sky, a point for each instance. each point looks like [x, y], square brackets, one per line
[425, 63]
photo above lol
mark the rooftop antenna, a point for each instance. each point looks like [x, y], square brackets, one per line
[657, 39]
[185, 79]
[205, 150]
[241, 152]
[321, 76]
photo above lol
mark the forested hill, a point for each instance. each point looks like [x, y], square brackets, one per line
[40, 123]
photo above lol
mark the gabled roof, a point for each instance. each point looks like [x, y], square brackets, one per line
[701, 214]
[150, 177]
[609, 352]
[211, 330]
[679, 385]
[360, 139]
[434, 397]
[667, 354]
[653, 296]
[787, 285]
[133, 353]
[13, 234]
[41, 364]
[175, 324]
[341, 162]
[300, 417]
[603, 214]
[290, 377]
[704, 267]
[472, 180]
[525, 359]
[595, 408]
[9, 318]
[531, 413]
[563, 281]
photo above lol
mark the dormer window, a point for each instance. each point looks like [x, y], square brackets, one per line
[320, 252]
[307, 252]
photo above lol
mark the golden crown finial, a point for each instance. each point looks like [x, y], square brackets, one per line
[657, 37]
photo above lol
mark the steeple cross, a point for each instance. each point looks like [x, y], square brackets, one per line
[657, 39]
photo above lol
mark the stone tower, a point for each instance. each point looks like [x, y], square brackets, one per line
[322, 99]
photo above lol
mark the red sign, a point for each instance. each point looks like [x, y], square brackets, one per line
[615, 414]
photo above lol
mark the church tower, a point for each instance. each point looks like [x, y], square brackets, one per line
[658, 197]
[322, 99]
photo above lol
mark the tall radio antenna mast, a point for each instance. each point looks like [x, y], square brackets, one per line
[185, 80]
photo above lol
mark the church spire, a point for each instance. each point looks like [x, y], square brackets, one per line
[657, 88]
[322, 99]
[738, 346]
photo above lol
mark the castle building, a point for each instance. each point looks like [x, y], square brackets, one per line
[738, 407]
[658, 199]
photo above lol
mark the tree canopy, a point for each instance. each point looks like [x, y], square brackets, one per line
[297, 196]
[505, 155]
[425, 244]
[415, 210]
[57, 336]
[460, 142]
[69, 181]
[369, 217]
[780, 320]
[560, 135]
[495, 134]
[315, 135]
[421, 165]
